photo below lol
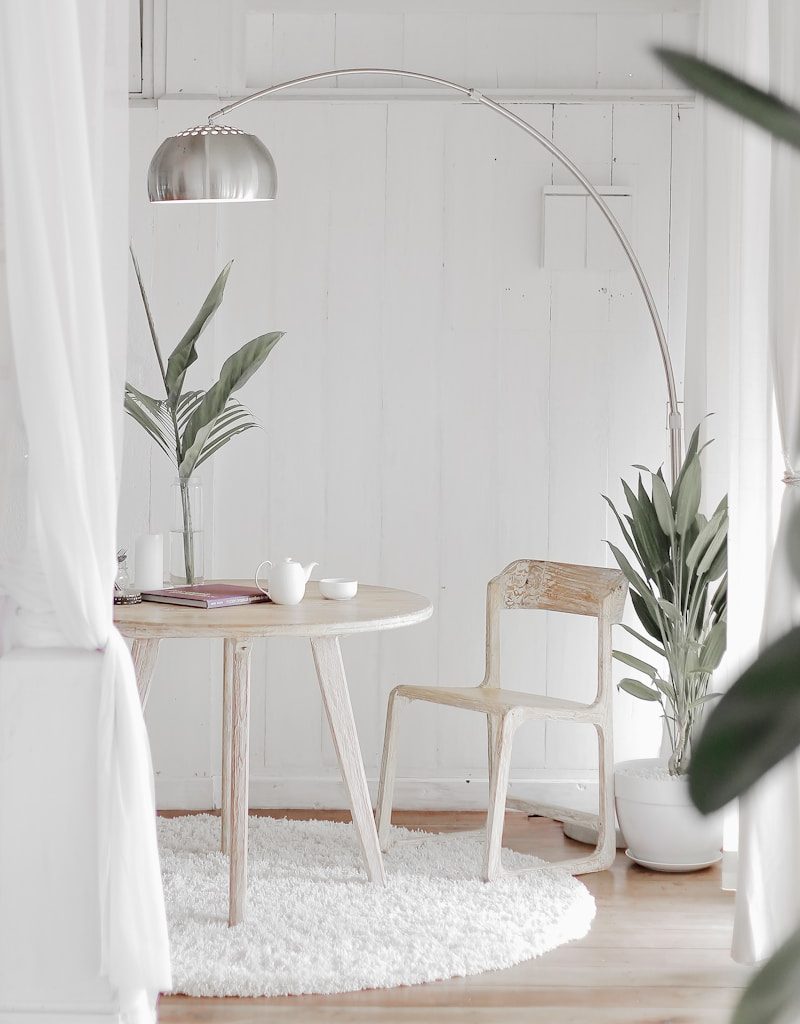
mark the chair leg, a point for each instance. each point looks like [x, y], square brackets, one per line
[606, 850]
[493, 731]
[501, 733]
[383, 810]
[603, 855]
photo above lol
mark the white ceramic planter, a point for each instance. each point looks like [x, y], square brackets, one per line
[662, 828]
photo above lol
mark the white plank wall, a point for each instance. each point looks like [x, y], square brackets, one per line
[441, 403]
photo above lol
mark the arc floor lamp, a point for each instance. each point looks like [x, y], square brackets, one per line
[216, 163]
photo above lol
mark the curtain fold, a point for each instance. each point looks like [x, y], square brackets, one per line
[742, 333]
[768, 895]
[63, 146]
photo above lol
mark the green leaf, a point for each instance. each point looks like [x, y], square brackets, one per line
[637, 663]
[691, 451]
[663, 505]
[625, 531]
[185, 352]
[762, 108]
[236, 371]
[187, 404]
[688, 495]
[705, 699]
[753, 727]
[714, 647]
[633, 501]
[629, 572]
[669, 609]
[714, 548]
[651, 540]
[772, 994]
[235, 419]
[636, 688]
[719, 602]
[648, 620]
[705, 537]
[666, 688]
[149, 414]
[658, 648]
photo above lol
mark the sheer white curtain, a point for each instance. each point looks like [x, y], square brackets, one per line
[768, 896]
[744, 287]
[63, 145]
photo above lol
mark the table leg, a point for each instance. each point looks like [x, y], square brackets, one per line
[239, 773]
[144, 654]
[336, 698]
[228, 647]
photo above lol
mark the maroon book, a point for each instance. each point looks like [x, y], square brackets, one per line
[207, 595]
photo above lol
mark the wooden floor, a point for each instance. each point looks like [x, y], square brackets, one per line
[658, 953]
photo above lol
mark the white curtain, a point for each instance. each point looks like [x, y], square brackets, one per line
[768, 895]
[63, 145]
[744, 284]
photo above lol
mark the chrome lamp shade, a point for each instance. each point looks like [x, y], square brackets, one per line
[212, 163]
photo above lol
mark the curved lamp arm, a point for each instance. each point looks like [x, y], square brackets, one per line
[675, 426]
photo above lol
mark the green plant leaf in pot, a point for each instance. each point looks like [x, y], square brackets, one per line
[185, 352]
[236, 371]
[688, 496]
[234, 420]
[762, 108]
[645, 615]
[658, 648]
[636, 688]
[633, 662]
[714, 647]
[663, 505]
[691, 451]
[710, 555]
[148, 413]
[704, 537]
[753, 727]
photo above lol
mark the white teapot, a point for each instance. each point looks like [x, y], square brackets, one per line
[287, 580]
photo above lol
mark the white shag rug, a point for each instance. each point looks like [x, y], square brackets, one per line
[316, 925]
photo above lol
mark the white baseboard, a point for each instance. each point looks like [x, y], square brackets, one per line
[328, 792]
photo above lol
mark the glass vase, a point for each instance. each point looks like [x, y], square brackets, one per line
[186, 536]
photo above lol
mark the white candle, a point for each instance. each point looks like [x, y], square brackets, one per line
[149, 562]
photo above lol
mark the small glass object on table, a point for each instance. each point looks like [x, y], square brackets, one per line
[123, 591]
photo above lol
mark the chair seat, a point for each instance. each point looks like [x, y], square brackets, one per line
[491, 698]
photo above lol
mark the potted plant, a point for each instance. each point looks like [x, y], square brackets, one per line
[678, 579]
[191, 426]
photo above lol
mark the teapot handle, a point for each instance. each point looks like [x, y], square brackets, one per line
[258, 570]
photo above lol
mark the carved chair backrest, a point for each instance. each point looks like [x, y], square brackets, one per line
[556, 587]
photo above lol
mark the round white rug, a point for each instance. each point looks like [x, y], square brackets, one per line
[315, 924]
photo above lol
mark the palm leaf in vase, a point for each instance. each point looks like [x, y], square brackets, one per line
[190, 427]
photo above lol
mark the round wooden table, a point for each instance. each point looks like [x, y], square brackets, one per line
[320, 621]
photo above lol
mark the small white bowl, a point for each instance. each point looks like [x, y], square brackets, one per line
[338, 590]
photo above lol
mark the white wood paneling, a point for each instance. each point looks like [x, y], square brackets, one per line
[442, 403]
[370, 40]
[258, 32]
[410, 467]
[469, 346]
[624, 48]
[552, 50]
[205, 46]
[302, 43]
[193, 58]
[135, 47]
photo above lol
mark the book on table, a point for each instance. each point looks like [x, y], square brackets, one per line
[207, 595]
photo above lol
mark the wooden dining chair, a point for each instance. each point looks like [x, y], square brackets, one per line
[547, 586]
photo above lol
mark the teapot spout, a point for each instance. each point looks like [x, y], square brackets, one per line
[308, 569]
